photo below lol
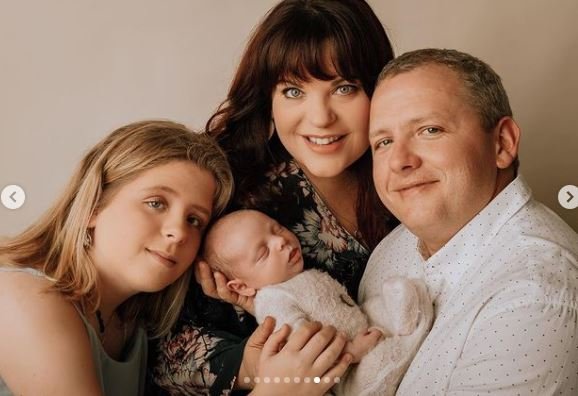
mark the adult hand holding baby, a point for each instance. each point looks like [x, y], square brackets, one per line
[214, 284]
[312, 354]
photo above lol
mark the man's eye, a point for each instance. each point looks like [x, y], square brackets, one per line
[431, 130]
[346, 89]
[382, 143]
[292, 93]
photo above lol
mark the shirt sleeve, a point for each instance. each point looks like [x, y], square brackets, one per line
[525, 348]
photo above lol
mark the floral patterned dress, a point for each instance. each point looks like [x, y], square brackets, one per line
[203, 353]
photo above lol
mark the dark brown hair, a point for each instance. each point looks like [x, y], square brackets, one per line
[295, 40]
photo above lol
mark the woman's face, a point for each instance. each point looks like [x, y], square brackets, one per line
[322, 124]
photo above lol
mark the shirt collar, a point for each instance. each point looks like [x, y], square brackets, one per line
[447, 265]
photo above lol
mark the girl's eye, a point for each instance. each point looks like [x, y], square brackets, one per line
[292, 93]
[346, 89]
[155, 204]
[194, 221]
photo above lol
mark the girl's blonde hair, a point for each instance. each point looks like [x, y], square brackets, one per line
[55, 244]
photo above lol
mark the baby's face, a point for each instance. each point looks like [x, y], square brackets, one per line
[262, 251]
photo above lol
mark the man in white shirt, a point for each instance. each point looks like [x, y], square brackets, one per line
[501, 268]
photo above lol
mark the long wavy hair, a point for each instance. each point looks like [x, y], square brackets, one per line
[55, 244]
[294, 41]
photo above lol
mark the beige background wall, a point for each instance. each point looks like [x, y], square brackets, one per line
[73, 70]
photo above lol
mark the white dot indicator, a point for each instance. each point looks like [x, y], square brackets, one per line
[317, 380]
[246, 380]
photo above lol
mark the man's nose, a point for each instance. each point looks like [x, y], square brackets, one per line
[403, 157]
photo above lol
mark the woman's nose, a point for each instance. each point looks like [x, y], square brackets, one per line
[320, 112]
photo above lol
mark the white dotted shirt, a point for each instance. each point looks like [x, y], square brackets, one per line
[505, 291]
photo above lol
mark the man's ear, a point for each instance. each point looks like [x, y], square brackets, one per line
[507, 141]
[240, 287]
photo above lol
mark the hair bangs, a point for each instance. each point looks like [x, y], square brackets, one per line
[311, 51]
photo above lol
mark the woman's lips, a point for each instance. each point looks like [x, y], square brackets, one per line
[324, 144]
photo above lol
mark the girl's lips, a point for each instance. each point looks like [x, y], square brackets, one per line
[162, 258]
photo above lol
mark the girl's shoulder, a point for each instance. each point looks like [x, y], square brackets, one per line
[42, 336]
[29, 307]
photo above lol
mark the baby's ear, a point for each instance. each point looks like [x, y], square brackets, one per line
[240, 287]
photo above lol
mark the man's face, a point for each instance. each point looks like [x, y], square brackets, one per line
[434, 165]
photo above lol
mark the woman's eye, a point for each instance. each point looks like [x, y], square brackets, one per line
[346, 89]
[155, 204]
[292, 93]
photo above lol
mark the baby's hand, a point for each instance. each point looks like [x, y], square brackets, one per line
[363, 342]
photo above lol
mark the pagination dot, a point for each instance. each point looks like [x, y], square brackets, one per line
[317, 380]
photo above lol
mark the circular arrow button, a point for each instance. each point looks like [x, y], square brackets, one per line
[13, 196]
[568, 196]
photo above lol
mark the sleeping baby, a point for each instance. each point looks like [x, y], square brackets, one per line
[262, 259]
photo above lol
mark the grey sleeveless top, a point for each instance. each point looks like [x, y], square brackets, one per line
[124, 377]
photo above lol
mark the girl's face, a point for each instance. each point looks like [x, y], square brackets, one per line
[149, 233]
[322, 124]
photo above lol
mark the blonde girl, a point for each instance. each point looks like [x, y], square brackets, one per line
[109, 263]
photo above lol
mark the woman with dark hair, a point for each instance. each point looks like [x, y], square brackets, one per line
[295, 130]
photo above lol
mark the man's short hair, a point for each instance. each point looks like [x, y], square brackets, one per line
[484, 87]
